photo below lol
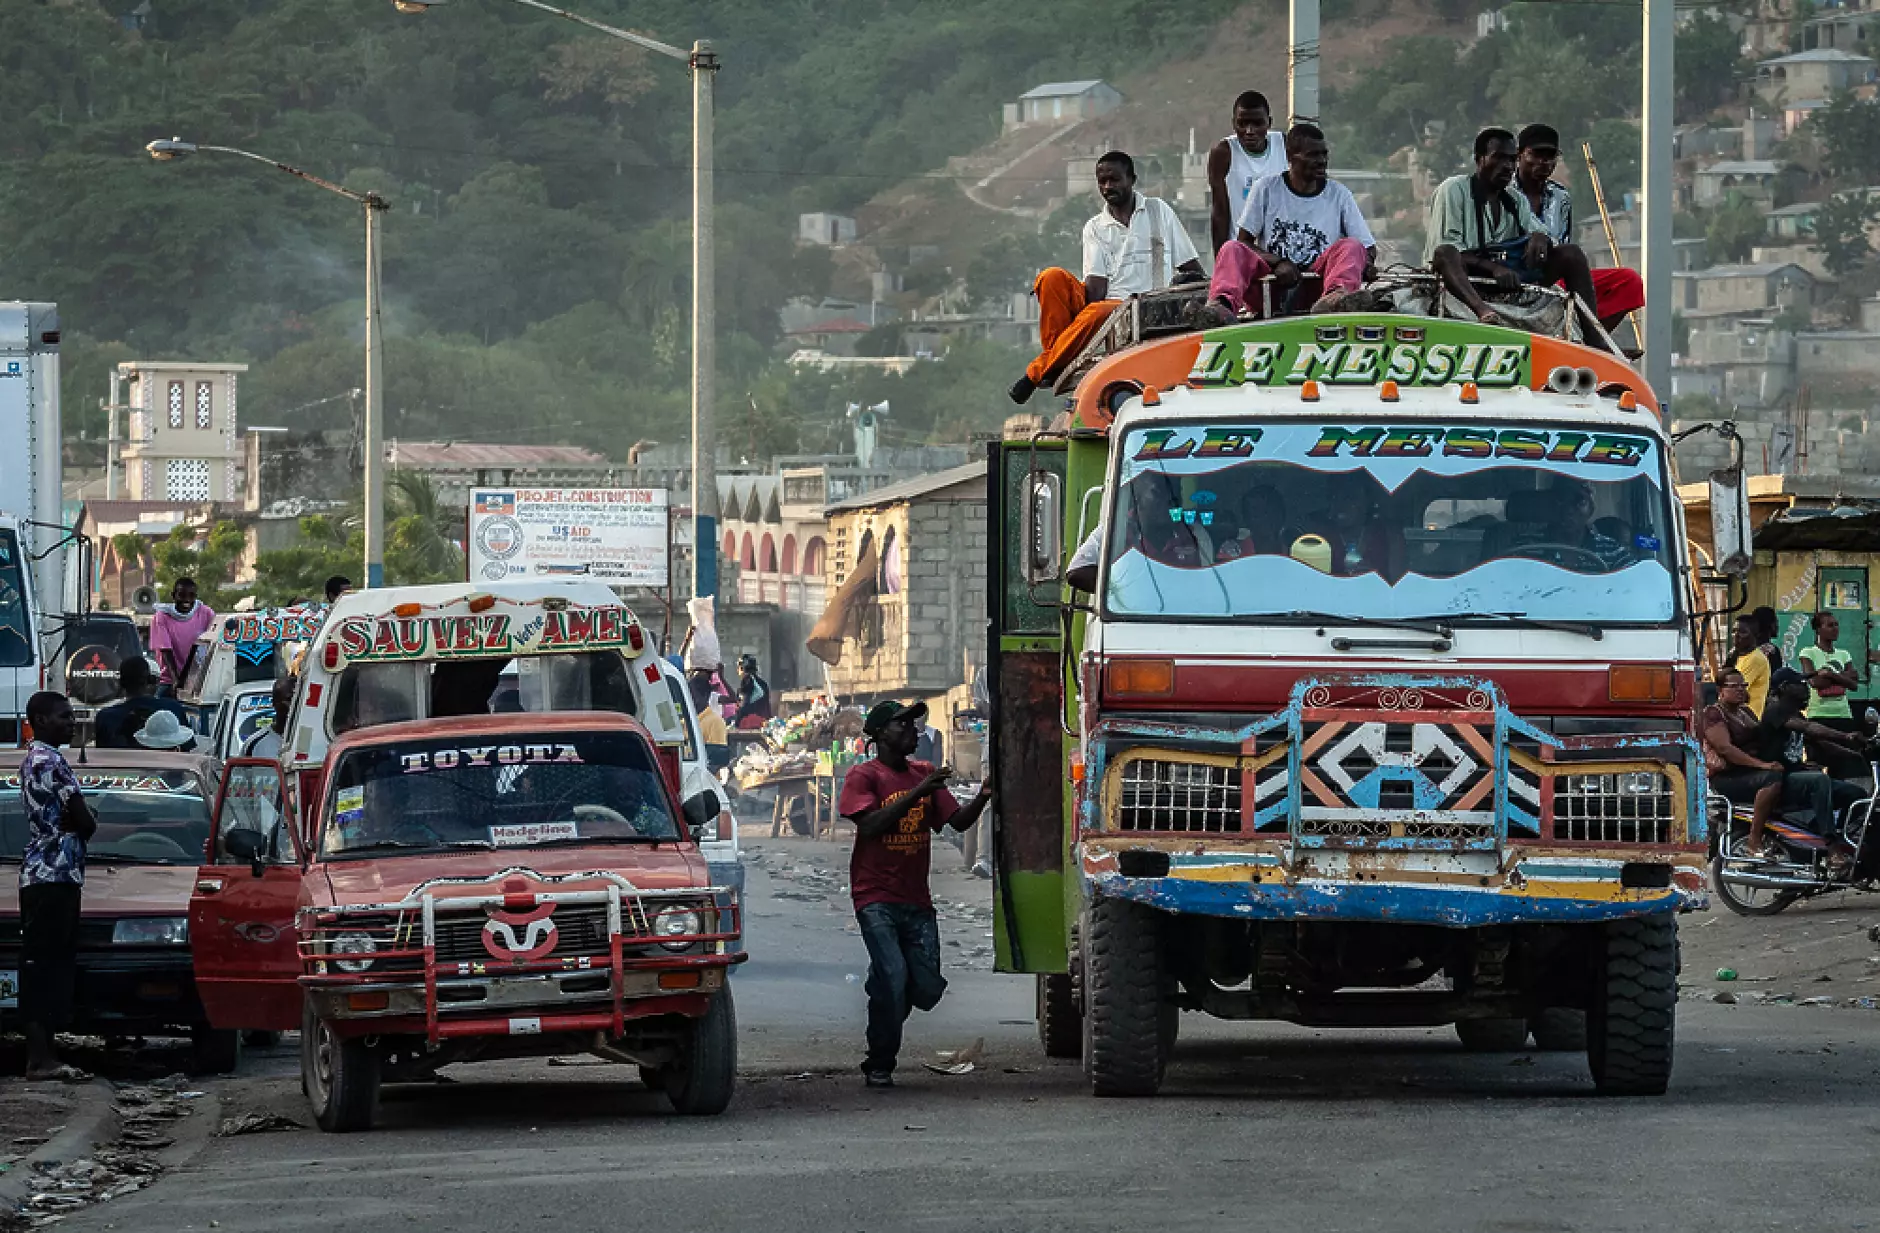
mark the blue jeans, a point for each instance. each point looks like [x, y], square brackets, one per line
[903, 973]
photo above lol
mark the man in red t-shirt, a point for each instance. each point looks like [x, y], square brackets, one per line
[897, 804]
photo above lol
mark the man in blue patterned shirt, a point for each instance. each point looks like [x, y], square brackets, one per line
[52, 879]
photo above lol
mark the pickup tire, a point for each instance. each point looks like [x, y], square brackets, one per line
[1060, 1027]
[1559, 1029]
[214, 1051]
[1125, 1029]
[340, 1075]
[1631, 1023]
[700, 1081]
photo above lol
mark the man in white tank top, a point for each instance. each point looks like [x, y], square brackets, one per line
[1237, 162]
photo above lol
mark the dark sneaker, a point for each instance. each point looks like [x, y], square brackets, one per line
[1022, 390]
[1209, 315]
[877, 1078]
[1357, 300]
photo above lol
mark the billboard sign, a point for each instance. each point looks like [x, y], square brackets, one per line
[613, 535]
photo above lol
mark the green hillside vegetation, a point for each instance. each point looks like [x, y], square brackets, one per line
[537, 255]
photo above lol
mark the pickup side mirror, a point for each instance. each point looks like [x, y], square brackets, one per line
[1044, 527]
[1730, 542]
[701, 814]
[246, 844]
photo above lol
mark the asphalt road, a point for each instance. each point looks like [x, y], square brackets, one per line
[1773, 1121]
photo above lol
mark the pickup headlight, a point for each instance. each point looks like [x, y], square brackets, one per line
[676, 923]
[352, 944]
[151, 931]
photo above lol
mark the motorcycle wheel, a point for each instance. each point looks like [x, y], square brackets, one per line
[1747, 900]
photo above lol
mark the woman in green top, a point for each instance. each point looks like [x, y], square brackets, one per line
[1830, 672]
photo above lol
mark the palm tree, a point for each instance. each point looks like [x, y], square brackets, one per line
[424, 532]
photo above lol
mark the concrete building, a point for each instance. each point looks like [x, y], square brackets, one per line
[456, 467]
[182, 440]
[1725, 290]
[1818, 73]
[830, 230]
[1059, 102]
[1753, 179]
[1849, 28]
[914, 624]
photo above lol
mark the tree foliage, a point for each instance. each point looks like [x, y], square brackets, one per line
[208, 556]
[1848, 129]
[1734, 228]
[1843, 229]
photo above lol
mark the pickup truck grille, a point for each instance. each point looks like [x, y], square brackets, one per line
[579, 930]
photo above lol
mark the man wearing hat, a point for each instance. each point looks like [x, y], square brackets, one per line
[165, 731]
[1616, 292]
[897, 804]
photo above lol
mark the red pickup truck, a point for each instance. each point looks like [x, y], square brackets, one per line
[466, 889]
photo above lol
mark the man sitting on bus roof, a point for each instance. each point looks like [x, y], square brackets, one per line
[1616, 292]
[1291, 223]
[1237, 162]
[1135, 244]
[1479, 228]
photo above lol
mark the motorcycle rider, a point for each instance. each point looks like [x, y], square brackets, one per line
[1730, 732]
[1784, 735]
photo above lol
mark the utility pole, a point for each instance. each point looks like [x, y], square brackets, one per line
[1655, 197]
[375, 403]
[704, 331]
[1302, 61]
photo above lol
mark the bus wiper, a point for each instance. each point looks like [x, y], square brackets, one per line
[1523, 620]
[1434, 626]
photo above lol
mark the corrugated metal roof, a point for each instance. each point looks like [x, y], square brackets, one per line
[840, 325]
[1817, 55]
[1061, 89]
[478, 454]
[1742, 271]
[907, 490]
[1739, 167]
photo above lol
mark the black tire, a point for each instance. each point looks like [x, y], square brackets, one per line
[213, 1051]
[1492, 1035]
[1060, 1027]
[1748, 901]
[1559, 1029]
[1631, 1024]
[340, 1076]
[1125, 1035]
[701, 1080]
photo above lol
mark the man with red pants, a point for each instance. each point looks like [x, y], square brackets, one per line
[1291, 223]
[1135, 245]
[1616, 292]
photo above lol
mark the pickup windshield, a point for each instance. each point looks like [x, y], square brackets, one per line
[145, 817]
[519, 789]
[1531, 523]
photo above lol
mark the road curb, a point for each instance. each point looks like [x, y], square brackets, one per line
[92, 1122]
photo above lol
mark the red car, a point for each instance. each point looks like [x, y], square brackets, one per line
[470, 888]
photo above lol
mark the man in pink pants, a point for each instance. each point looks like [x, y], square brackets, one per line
[1291, 223]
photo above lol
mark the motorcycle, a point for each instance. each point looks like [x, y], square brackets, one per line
[1801, 865]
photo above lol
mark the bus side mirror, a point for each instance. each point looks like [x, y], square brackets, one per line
[1730, 544]
[1044, 527]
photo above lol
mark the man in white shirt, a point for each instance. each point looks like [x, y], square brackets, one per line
[1479, 227]
[1239, 161]
[1290, 223]
[1135, 245]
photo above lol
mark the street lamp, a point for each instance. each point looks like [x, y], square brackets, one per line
[703, 62]
[165, 151]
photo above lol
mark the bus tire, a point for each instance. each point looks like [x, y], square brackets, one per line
[1125, 1050]
[1060, 1028]
[1631, 1022]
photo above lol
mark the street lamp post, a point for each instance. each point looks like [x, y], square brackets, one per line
[703, 61]
[173, 148]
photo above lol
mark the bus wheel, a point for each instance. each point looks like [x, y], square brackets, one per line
[1631, 1023]
[1125, 1038]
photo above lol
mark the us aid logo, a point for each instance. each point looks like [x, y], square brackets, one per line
[13, 370]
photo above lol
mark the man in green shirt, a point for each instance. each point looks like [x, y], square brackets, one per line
[1480, 228]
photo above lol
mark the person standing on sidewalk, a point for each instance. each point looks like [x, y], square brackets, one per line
[897, 804]
[52, 878]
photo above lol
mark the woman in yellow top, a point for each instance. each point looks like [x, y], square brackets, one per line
[1750, 660]
[711, 726]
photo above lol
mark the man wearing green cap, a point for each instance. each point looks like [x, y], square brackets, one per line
[897, 804]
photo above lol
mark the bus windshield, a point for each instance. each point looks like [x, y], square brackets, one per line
[1395, 522]
[16, 635]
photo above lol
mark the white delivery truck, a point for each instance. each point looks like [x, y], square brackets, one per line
[33, 544]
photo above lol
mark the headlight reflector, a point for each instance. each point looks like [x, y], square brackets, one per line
[676, 923]
[151, 931]
[352, 944]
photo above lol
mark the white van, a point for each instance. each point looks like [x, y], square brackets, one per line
[243, 647]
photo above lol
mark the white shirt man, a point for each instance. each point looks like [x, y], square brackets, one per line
[1139, 256]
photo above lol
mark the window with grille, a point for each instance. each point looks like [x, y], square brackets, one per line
[176, 404]
[205, 405]
[186, 479]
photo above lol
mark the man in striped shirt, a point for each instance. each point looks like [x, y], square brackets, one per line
[1616, 292]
